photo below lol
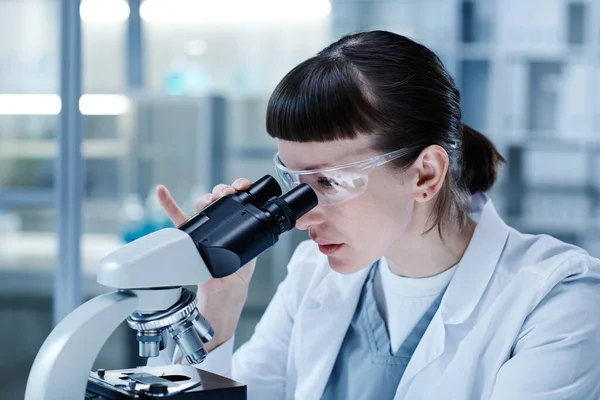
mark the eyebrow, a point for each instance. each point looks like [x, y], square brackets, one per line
[325, 164]
[317, 166]
[309, 167]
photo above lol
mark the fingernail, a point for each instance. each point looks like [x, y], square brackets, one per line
[208, 197]
[237, 185]
[225, 191]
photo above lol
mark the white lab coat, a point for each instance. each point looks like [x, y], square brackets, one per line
[519, 320]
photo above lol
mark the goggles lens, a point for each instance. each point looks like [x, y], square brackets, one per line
[336, 184]
[333, 186]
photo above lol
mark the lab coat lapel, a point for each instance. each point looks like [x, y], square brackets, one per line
[464, 291]
[328, 311]
[430, 348]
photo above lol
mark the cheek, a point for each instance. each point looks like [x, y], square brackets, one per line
[395, 200]
[382, 224]
[370, 222]
[368, 233]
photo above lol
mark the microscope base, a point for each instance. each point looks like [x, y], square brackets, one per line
[179, 382]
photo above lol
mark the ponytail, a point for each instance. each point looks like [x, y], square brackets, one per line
[481, 160]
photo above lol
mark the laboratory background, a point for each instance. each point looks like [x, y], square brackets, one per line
[102, 100]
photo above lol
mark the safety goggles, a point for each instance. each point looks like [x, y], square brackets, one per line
[335, 185]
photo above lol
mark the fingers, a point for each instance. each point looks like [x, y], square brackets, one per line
[241, 184]
[223, 190]
[176, 215]
[219, 191]
[204, 201]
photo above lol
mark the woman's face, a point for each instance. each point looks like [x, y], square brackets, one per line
[356, 233]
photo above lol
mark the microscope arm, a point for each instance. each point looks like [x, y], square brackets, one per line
[63, 364]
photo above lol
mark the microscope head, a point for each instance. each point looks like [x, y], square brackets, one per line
[214, 243]
[164, 258]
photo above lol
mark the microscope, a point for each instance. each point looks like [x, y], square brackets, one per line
[148, 275]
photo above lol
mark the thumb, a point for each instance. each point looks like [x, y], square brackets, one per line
[175, 213]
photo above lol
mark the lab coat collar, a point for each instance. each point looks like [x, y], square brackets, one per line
[466, 288]
[478, 263]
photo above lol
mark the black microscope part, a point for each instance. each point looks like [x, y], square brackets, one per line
[261, 191]
[237, 228]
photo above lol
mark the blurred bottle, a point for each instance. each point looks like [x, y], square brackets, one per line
[175, 78]
[187, 73]
[197, 79]
[132, 218]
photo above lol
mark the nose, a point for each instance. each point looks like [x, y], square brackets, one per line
[314, 217]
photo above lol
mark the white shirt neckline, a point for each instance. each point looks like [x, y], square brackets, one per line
[414, 287]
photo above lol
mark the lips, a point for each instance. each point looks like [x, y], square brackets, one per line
[320, 241]
[329, 249]
[325, 246]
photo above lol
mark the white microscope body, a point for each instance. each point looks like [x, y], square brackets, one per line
[149, 274]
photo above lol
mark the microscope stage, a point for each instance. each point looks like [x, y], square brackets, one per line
[180, 382]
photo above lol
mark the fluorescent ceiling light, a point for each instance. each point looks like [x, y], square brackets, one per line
[228, 11]
[50, 104]
[103, 104]
[29, 104]
[104, 10]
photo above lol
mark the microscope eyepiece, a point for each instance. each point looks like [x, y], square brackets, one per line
[301, 200]
[261, 191]
[287, 209]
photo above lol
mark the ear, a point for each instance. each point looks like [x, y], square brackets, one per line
[431, 168]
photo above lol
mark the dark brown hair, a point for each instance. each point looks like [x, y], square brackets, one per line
[397, 92]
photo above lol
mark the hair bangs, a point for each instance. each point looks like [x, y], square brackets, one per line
[322, 99]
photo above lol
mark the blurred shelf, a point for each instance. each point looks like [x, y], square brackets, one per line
[252, 153]
[583, 226]
[39, 283]
[553, 140]
[36, 149]
[38, 198]
[37, 252]
[550, 52]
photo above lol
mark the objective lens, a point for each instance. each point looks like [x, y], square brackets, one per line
[189, 341]
[203, 327]
[149, 343]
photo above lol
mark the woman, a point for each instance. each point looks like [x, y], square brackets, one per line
[412, 287]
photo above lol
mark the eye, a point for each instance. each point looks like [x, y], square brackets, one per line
[325, 182]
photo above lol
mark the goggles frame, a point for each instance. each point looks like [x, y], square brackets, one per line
[363, 166]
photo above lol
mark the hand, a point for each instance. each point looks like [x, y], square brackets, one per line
[221, 300]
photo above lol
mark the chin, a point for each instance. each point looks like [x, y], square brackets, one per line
[343, 266]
